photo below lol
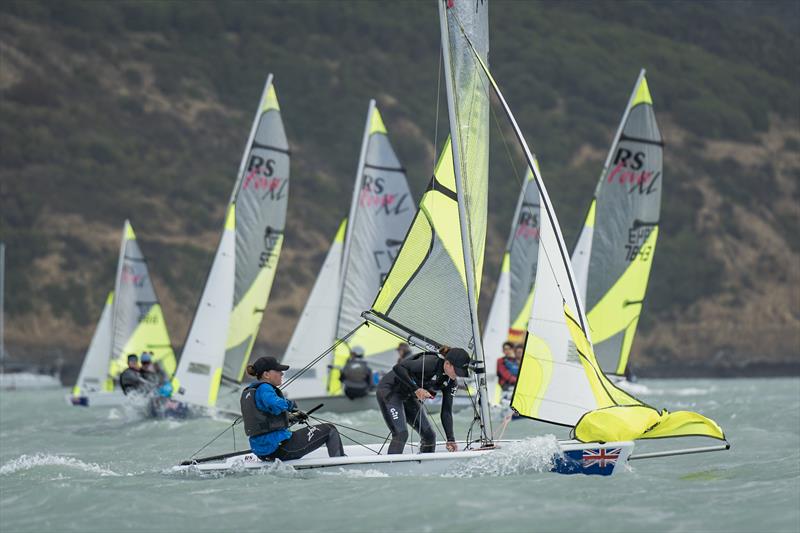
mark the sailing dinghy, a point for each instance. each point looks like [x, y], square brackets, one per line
[228, 317]
[615, 249]
[429, 298]
[358, 260]
[131, 322]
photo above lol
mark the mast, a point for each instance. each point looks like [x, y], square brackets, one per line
[480, 376]
[115, 303]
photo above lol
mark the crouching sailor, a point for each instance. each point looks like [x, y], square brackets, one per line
[268, 415]
[413, 380]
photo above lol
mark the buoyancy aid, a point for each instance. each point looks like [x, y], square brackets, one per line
[256, 421]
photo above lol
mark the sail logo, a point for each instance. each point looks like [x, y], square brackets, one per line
[628, 170]
[638, 234]
[384, 259]
[129, 275]
[271, 240]
[528, 224]
[374, 194]
[260, 177]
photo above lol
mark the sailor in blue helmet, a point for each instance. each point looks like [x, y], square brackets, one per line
[413, 380]
[267, 416]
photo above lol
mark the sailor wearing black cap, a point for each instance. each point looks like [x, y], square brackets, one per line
[267, 416]
[415, 379]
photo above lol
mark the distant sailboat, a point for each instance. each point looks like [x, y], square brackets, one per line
[615, 249]
[228, 317]
[354, 269]
[511, 305]
[131, 323]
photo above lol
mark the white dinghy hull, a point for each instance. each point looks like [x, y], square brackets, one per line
[572, 458]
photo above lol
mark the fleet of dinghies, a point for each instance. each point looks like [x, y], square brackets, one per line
[131, 322]
[397, 271]
[358, 260]
[429, 298]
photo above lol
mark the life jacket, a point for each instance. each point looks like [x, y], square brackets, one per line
[256, 421]
[356, 374]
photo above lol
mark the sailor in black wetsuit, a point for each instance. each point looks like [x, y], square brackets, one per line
[413, 380]
[130, 380]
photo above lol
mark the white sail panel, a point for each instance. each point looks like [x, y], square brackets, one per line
[198, 376]
[316, 329]
[94, 376]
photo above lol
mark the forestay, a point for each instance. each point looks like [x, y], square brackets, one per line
[261, 195]
[137, 322]
[615, 250]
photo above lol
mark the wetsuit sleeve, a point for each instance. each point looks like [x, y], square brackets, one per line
[268, 400]
[447, 410]
[404, 370]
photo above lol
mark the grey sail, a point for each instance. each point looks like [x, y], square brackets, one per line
[382, 212]
[261, 195]
[625, 217]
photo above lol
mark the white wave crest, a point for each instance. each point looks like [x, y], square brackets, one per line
[525, 456]
[356, 473]
[27, 462]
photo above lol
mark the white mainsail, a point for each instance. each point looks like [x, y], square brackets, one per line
[93, 376]
[197, 379]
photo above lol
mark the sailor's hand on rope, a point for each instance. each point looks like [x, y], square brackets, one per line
[297, 416]
[452, 446]
[422, 394]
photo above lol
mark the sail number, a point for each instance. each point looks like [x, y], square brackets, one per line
[637, 236]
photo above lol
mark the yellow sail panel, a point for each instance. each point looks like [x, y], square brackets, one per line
[516, 332]
[535, 373]
[246, 315]
[642, 94]
[438, 212]
[619, 309]
[631, 422]
[149, 336]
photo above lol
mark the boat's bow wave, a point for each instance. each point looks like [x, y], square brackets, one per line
[527, 456]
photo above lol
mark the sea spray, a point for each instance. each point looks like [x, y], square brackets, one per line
[535, 454]
[27, 462]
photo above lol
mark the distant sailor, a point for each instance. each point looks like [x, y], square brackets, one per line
[508, 367]
[130, 380]
[268, 415]
[413, 380]
[151, 372]
[356, 376]
[403, 351]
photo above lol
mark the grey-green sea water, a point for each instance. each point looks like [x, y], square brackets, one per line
[64, 468]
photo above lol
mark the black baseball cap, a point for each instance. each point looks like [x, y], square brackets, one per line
[133, 357]
[265, 364]
[460, 359]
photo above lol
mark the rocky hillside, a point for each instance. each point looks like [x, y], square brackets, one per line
[127, 109]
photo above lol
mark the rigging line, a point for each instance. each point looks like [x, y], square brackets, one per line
[547, 256]
[345, 426]
[436, 120]
[206, 445]
[432, 419]
[320, 356]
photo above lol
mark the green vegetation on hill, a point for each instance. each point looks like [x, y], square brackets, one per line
[139, 109]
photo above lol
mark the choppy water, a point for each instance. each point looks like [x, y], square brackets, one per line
[70, 469]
